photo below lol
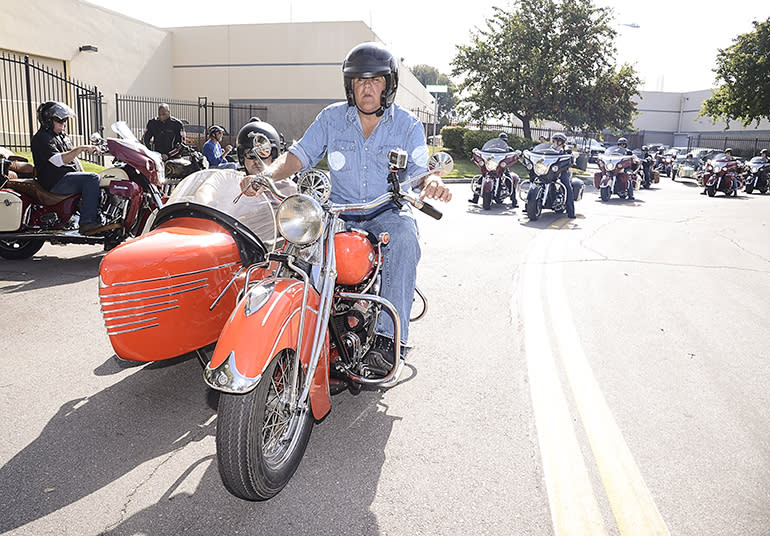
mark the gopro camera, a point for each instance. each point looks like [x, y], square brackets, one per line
[397, 158]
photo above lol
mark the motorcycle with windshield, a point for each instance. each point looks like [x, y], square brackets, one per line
[543, 189]
[183, 160]
[617, 169]
[664, 163]
[721, 173]
[30, 215]
[757, 175]
[496, 181]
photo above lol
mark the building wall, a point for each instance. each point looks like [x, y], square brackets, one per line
[133, 57]
[669, 118]
[292, 69]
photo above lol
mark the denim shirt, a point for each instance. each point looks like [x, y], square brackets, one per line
[359, 166]
[213, 151]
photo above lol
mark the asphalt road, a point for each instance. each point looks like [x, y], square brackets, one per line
[603, 375]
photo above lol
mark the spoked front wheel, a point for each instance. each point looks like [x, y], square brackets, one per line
[260, 441]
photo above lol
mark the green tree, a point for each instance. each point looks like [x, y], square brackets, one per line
[547, 60]
[744, 71]
[428, 75]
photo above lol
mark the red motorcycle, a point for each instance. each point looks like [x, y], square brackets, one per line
[496, 180]
[284, 321]
[617, 169]
[722, 174]
[31, 215]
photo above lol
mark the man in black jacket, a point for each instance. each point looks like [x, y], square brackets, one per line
[164, 132]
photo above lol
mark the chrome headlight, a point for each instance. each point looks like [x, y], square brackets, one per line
[554, 168]
[300, 219]
[527, 163]
[541, 168]
[491, 163]
[610, 166]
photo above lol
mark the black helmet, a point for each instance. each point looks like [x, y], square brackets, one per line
[255, 126]
[623, 141]
[214, 129]
[50, 110]
[559, 137]
[645, 148]
[368, 60]
[503, 136]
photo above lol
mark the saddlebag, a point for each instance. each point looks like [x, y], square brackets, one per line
[157, 291]
[11, 207]
[577, 189]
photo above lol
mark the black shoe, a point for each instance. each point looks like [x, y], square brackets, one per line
[631, 198]
[571, 216]
[382, 356]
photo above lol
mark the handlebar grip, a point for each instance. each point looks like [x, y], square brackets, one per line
[430, 210]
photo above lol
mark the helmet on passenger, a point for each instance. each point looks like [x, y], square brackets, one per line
[559, 137]
[255, 126]
[503, 136]
[214, 129]
[729, 151]
[49, 111]
[623, 142]
[368, 60]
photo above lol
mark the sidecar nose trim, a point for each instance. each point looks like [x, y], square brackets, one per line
[228, 379]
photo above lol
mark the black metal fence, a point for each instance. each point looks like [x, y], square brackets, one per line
[744, 146]
[198, 115]
[24, 85]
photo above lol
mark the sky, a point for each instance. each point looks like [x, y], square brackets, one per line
[674, 47]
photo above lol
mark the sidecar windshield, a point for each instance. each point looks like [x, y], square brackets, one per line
[496, 145]
[217, 188]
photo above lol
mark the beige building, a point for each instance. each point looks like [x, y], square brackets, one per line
[293, 70]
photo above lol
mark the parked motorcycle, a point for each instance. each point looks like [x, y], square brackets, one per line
[617, 169]
[182, 161]
[720, 174]
[31, 215]
[543, 188]
[496, 180]
[757, 175]
[287, 326]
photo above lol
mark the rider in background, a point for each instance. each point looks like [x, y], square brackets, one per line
[214, 152]
[559, 141]
[58, 169]
[164, 132]
[623, 143]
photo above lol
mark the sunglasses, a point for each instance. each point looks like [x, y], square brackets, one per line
[57, 120]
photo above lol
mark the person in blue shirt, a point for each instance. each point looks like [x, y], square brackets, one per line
[356, 137]
[213, 151]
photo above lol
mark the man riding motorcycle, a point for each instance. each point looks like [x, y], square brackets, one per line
[58, 169]
[623, 142]
[345, 132]
[559, 142]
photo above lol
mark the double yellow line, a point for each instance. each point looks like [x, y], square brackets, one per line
[574, 508]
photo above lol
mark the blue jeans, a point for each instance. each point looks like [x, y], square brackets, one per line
[399, 267]
[564, 178]
[88, 183]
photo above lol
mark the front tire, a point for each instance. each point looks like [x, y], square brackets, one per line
[486, 200]
[19, 249]
[711, 191]
[749, 188]
[259, 442]
[534, 208]
[605, 193]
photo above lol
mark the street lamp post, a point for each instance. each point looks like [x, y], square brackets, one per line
[435, 90]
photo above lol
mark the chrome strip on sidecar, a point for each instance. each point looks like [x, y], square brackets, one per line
[123, 283]
[154, 297]
[156, 289]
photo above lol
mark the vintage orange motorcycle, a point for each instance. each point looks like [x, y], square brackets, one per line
[285, 314]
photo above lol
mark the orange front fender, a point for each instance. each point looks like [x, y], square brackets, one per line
[265, 322]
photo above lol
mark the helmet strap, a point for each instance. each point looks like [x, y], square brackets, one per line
[378, 112]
